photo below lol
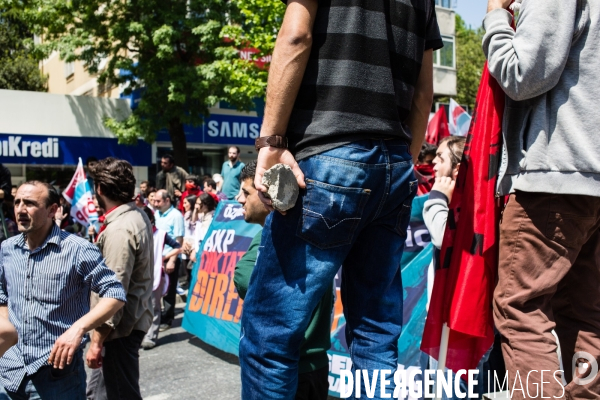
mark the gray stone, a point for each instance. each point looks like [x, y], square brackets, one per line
[282, 187]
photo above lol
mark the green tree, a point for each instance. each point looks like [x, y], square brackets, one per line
[181, 54]
[469, 62]
[19, 70]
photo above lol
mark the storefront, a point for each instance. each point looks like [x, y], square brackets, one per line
[42, 136]
[207, 144]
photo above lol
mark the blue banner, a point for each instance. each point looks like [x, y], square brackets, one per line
[66, 150]
[418, 253]
[213, 309]
[221, 129]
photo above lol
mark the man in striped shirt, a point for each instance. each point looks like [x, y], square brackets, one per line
[45, 279]
[348, 99]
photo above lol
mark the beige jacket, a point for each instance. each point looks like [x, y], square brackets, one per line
[127, 246]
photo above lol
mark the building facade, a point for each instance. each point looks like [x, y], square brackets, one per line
[444, 60]
[43, 136]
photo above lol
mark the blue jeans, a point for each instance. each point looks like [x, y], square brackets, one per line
[354, 212]
[49, 383]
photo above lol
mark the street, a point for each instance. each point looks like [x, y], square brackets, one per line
[184, 367]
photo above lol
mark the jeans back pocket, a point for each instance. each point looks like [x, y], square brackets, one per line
[330, 214]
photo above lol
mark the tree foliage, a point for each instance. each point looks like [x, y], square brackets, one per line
[19, 70]
[181, 54]
[469, 62]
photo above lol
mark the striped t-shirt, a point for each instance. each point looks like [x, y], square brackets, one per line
[359, 81]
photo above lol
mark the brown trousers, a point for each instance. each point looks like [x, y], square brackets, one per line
[549, 278]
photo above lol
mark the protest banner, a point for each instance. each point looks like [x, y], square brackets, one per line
[418, 252]
[214, 309]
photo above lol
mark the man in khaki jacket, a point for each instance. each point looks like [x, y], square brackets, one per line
[126, 243]
[171, 178]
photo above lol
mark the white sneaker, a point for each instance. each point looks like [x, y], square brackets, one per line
[148, 345]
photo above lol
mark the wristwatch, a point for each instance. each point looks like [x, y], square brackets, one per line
[280, 142]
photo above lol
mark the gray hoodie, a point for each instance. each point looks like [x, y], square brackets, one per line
[550, 72]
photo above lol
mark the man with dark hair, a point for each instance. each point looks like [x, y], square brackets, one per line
[350, 90]
[45, 280]
[192, 188]
[424, 168]
[249, 172]
[171, 177]
[125, 241]
[427, 153]
[313, 367]
[210, 187]
[231, 173]
[89, 163]
[144, 186]
[170, 220]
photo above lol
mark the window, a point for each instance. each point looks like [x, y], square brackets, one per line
[444, 3]
[445, 56]
[105, 87]
[69, 69]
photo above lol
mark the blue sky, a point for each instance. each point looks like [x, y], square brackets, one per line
[472, 11]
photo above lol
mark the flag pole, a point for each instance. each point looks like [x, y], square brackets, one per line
[443, 354]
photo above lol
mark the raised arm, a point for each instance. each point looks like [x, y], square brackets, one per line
[530, 61]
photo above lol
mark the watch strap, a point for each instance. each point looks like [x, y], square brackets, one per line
[280, 142]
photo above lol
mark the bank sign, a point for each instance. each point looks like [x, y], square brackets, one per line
[221, 129]
[61, 150]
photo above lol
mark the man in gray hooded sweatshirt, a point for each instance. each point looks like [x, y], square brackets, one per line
[549, 271]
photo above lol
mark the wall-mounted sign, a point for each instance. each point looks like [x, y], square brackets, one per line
[221, 129]
[64, 150]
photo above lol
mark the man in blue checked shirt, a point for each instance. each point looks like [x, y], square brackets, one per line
[45, 279]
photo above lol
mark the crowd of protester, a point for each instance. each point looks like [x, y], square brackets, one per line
[135, 261]
[351, 144]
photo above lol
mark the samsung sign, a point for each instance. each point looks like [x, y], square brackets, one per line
[63, 150]
[231, 129]
[221, 129]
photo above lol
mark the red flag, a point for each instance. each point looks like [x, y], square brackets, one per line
[464, 284]
[437, 129]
